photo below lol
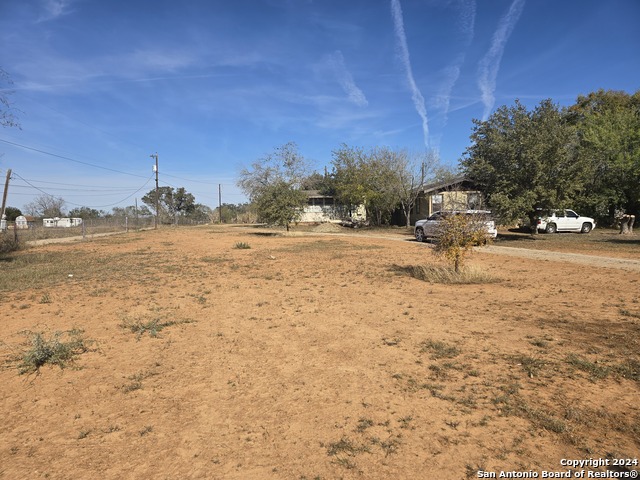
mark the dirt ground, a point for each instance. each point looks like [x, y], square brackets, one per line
[311, 356]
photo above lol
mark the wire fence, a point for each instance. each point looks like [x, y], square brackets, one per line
[92, 226]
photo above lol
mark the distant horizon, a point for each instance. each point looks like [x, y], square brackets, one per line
[100, 87]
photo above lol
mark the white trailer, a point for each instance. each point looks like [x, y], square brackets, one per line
[61, 222]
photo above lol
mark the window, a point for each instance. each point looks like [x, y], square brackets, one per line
[436, 202]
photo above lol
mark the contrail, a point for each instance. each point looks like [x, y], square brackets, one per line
[346, 80]
[490, 63]
[403, 53]
[466, 23]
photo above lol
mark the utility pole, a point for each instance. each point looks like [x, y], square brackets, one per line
[3, 217]
[220, 202]
[155, 169]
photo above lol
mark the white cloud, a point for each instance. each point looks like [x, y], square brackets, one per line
[336, 63]
[490, 63]
[53, 9]
[403, 54]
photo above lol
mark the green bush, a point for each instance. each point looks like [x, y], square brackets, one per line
[52, 351]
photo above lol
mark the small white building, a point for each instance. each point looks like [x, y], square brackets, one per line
[324, 209]
[61, 222]
[21, 222]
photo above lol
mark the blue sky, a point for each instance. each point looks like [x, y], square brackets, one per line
[212, 85]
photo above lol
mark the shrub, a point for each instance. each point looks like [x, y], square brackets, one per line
[457, 235]
[242, 245]
[52, 350]
[8, 243]
[152, 327]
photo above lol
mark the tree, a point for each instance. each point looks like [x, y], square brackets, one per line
[381, 179]
[184, 203]
[7, 111]
[274, 185]
[285, 164]
[85, 213]
[200, 213]
[410, 171]
[524, 161]
[46, 206]
[608, 125]
[235, 213]
[171, 203]
[12, 213]
[280, 204]
[366, 178]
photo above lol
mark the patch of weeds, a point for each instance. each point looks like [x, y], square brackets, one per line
[511, 403]
[542, 419]
[152, 327]
[45, 298]
[9, 243]
[439, 349]
[242, 246]
[628, 313]
[439, 371]
[452, 424]
[136, 381]
[388, 446]
[539, 342]
[471, 471]
[363, 424]
[505, 401]
[54, 350]
[405, 422]
[83, 434]
[629, 369]
[147, 429]
[529, 364]
[345, 462]
[593, 369]
[344, 445]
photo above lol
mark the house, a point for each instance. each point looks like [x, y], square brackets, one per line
[457, 193]
[324, 208]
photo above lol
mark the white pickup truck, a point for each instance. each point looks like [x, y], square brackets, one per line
[565, 221]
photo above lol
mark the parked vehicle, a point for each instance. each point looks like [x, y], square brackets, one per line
[565, 221]
[428, 228]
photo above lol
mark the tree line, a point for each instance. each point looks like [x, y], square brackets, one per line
[526, 162]
[173, 204]
[381, 179]
[585, 156]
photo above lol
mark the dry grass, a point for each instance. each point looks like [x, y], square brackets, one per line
[603, 241]
[314, 358]
[447, 275]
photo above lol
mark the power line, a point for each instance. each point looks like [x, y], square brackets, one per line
[89, 206]
[75, 185]
[70, 159]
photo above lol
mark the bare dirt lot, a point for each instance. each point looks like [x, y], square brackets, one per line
[311, 356]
